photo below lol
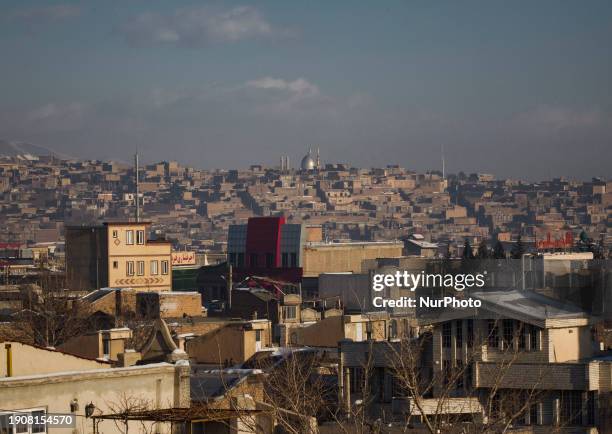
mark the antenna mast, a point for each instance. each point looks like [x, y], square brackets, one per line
[137, 198]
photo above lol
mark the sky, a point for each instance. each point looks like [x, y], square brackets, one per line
[520, 89]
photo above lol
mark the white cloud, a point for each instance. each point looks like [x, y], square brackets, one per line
[57, 116]
[198, 26]
[299, 86]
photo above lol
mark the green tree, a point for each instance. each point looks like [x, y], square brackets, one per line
[483, 250]
[468, 252]
[498, 251]
[518, 250]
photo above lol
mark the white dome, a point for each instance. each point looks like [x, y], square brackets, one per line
[308, 163]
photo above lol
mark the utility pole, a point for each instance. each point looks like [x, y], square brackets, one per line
[229, 284]
[137, 197]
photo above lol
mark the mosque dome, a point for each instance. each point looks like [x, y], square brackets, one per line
[308, 163]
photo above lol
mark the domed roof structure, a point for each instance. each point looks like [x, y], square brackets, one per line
[308, 163]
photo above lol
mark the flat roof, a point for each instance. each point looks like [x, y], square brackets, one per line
[530, 303]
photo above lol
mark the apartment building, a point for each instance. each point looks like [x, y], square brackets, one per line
[81, 388]
[522, 358]
[117, 254]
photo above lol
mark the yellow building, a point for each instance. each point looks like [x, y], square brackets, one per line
[117, 254]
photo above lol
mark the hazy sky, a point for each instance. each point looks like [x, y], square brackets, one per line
[520, 88]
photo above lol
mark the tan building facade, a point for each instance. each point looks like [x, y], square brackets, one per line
[117, 255]
[231, 344]
[23, 359]
[160, 385]
[319, 258]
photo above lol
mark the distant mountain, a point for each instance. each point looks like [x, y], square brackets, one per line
[22, 149]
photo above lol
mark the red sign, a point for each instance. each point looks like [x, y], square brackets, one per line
[567, 241]
[183, 258]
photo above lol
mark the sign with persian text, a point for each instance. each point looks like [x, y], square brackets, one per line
[183, 258]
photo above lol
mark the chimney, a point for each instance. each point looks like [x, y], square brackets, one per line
[9, 360]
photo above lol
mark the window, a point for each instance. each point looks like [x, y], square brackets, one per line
[106, 347]
[533, 414]
[398, 388]
[140, 268]
[129, 268]
[285, 259]
[38, 427]
[470, 333]
[21, 427]
[115, 233]
[356, 375]
[508, 326]
[522, 339]
[493, 334]
[8, 427]
[393, 329]
[290, 312]
[129, 237]
[253, 260]
[459, 364]
[446, 371]
[447, 334]
[240, 260]
[269, 260]
[294, 259]
[571, 407]
[459, 334]
[154, 267]
[257, 335]
[140, 237]
[232, 259]
[115, 264]
[534, 333]
[164, 266]
[591, 408]
[468, 376]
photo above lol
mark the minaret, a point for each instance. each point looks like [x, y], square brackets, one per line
[137, 198]
[318, 159]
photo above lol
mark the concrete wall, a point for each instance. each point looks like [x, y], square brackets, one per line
[176, 304]
[353, 289]
[89, 345]
[159, 385]
[344, 257]
[29, 360]
[236, 342]
[85, 259]
[570, 344]
[169, 304]
[324, 333]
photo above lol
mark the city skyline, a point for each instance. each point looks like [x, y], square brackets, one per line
[516, 90]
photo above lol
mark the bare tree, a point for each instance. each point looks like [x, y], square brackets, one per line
[125, 407]
[49, 316]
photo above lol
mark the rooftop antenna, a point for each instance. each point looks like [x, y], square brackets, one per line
[137, 198]
[443, 163]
